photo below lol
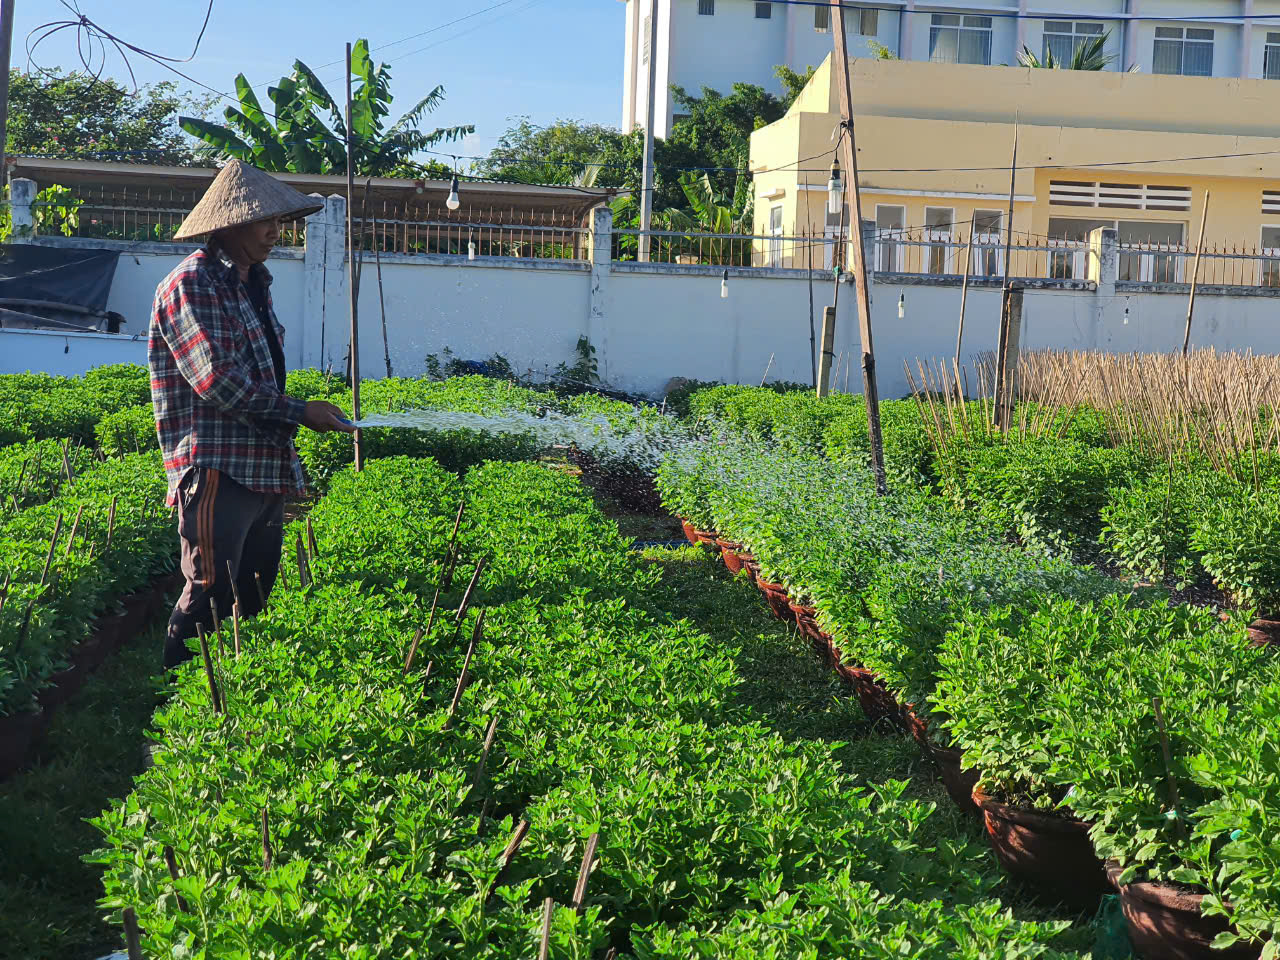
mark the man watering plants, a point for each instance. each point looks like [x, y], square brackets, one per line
[226, 426]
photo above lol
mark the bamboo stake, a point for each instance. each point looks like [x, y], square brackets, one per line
[266, 842]
[235, 626]
[303, 578]
[964, 287]
[466, 596]
[53, 545]
[584, 872]
[75, 526]
[353, 292]
[509, 854]
[312, 546]
[66, 465]
[484, 753]
[484, 814]
[111, 521]
[172, 863]
[548, 909]
[451, 554]
[1168, 767]
[132, 939]
[235, 587]
[466, 667]
[208, 670]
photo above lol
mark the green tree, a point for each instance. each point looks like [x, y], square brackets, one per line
[300, 140]
[567, 151]
[74, 115]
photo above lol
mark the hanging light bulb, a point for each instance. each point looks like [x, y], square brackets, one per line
[453, 203]
[1126, 314]
[902, 306]
[835, 190]
[471, 247]
[724, 285]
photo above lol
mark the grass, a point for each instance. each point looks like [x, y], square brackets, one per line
[93, 749]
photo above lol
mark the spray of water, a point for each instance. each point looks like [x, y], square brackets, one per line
[642, 442]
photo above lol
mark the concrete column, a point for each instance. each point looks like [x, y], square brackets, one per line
[601, 264]
[324, 286]
[1104, 260]
[1246, 42]
[1020, 40]
[22, 194]
[905, 23]
[1131, 7]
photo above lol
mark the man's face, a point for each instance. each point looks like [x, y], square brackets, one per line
[257, 239]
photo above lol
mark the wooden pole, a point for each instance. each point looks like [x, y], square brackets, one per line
[1008, 227]
[828, 350]
[1007, 355]
[132, 938]
[964, 289]
[352, 292]
[850, 160]
[647, 178]
[1195, 275]
[6, 46]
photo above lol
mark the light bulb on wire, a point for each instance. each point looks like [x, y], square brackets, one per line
[902, 306]
[453, 203]
[724, 285]
[835, 190]
[471, 247]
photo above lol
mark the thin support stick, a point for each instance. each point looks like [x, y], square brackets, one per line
[484, 752]
[208, 670]
[313, 548]
[509, 854]
[964, 290]
[235, 587]
[132, 939]
[466, 596]
[171, 862]
[75, 526]
[53, 545]
[548, 910]
[584, 872]
[262, 595]
[476, 634]
[303, 578]
[111, 520]
[235, 627]
[1168, 767]
[266, 841]
[1195, 275]
[217, 629]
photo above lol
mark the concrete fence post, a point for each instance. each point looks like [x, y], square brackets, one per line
[1104, 259]
[324, 285]
[601, 263]
[22, 194]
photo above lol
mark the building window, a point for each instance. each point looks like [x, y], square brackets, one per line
[706, 8]
[890, 221]
[988, 255]
[868, 22]
[960, 39]
[938, 222]
[1187, 51]
[1271, 57]
[775, 235]
[1062, 38]
[822, 19]
[644, 50]
[764, 11]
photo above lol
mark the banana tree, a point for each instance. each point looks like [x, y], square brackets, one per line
[297, 138]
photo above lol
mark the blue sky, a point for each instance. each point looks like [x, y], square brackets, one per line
[545, 59]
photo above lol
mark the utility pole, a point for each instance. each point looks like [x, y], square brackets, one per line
[646, 186]
[849, 159]
[6, 46]
[1002, 404]
[352, 293]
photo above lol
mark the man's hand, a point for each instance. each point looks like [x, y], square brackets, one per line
[324, 417]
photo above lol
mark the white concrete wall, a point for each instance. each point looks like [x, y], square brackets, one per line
[652, 322]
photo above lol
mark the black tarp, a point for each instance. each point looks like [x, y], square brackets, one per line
[76, 276]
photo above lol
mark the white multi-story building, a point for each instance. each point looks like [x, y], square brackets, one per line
[714, 43]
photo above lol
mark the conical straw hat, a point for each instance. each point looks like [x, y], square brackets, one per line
[244, 194]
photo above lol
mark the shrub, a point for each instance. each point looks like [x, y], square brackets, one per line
[1147, 526]
[131, 430]
[1238, 536]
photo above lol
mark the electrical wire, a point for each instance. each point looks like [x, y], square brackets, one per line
[1016, 15]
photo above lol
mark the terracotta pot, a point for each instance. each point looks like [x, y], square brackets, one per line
[775, 595]
[749, 565]
[88, 654]
[959, 783]
[806, 620]
[1165, 923]
[1264, 632]
[1053, 853]
[18, 733]
[729, 554]
[706, 537]
[689, 533]
[917, 727]
[876, 701]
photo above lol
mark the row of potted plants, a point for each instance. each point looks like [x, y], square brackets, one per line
[353, 799]
[888, 587]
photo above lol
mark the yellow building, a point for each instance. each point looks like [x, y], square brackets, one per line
[1131, 151]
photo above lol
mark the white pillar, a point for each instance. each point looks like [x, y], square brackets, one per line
[22, 194]
[324, 285]
[1104, 271]
[1131, 7]
[601, 261]
[1246, 42]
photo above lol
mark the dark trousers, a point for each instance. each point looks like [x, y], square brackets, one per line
[228, 534]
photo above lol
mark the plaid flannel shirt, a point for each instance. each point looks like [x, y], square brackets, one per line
[213, 383]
